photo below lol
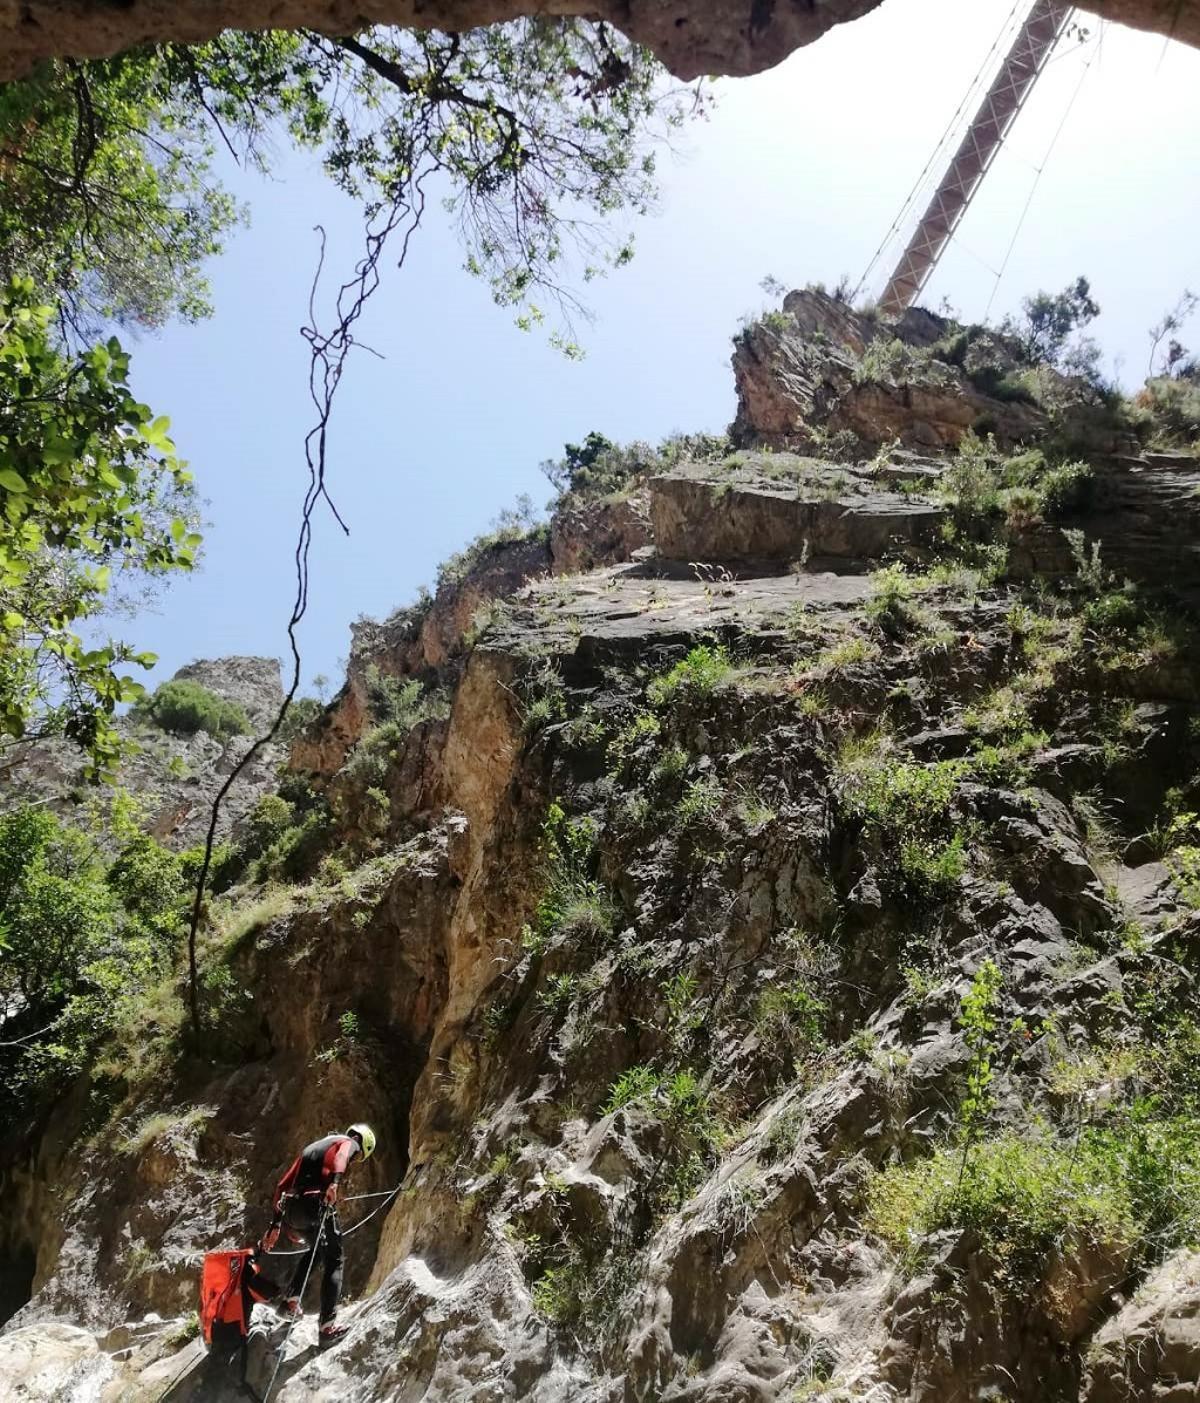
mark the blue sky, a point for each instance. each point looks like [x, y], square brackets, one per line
[798, 174]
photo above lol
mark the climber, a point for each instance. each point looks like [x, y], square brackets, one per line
[306, 1206]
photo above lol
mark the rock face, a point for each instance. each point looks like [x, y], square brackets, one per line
[1145, 511]
[254, 684]
[655, 965]
[784, 509]
[804, 369]
[429, 642]
[174, 777]
[589, 534]
[690, 36]
[1148, 1351]
[52, 1362]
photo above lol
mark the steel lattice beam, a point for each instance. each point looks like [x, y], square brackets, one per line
[990, 125]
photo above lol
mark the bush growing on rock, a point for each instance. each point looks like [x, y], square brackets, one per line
[698, 675]
[1049, 325]
[1131, 1189]
[1173, 406]
[890, 607]
[596, 467]
[266, 822]
[1019, 1196]
[574, 903]
[518, 523]
[984, 486]
[599, 468]
[300, 715]
[397, 706]
[905, 808]
[294, 855]
[186, 707]
[890, 361]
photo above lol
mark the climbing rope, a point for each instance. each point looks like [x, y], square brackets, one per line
[387, 1194]
[279, 1353]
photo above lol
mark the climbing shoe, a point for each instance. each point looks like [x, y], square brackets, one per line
[290, 1309]
[331, 1332]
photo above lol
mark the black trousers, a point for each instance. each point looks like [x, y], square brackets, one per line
[306, 1218]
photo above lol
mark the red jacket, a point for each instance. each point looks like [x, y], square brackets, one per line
[317, 1166]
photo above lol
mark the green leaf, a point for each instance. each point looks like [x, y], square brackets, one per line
[13, 480]
[58, 451]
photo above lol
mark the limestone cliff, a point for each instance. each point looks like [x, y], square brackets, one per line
[769, 966]
[174, 776]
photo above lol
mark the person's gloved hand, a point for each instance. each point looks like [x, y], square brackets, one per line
[331, 1195]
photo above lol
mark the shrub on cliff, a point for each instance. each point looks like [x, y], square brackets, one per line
[185, 707]
[984, 486]
[1131, 1186]
[516, 523]
[598, 467]
[1173, 404]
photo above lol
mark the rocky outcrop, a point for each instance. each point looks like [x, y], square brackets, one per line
[429, 641]
[53, 1362]
[691, 37]
[254, 684]
[1149, 1352]
[584, 535]
[174, 778]
[1143, 513]
[784, 509]
[660, 966]
[819, 368]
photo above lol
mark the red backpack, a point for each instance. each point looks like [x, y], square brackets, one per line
[228, 1287]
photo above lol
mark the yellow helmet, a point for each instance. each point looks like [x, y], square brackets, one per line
[365, 1136]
